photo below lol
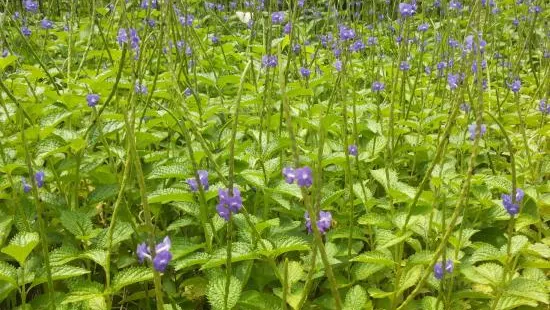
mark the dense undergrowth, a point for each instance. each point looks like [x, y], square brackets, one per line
[300, 154]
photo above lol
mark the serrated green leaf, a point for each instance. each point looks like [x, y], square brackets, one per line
[216, 293]
[60, 273]
[177, 171]
[375, 257]
[411, 277]
[356, 298]
[167, 195]
[254, 178]
[21, 246]
[287, 244]
[130, 276]
[78, 224]
[8, 273]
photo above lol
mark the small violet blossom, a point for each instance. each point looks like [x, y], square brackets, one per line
[39, 177]
[162, 258]
[352, 150]
[203, 178]
[472, 129]
[512, 207]
[92, 100]
[324, 221]
[228, 204]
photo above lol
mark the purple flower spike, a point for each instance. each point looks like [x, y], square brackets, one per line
[438, 271]
[277, 17]
[544, 107]
[269, 61]
[92, 100]
[406, 9]
[338, 65]
[39, 177]
[162, 254]
[513, 208]
[161, 261]
[193, 184]
[46, 24]
[404, 66]
[143, 252]
[305, 72]
[472, 129]
[26, 31]
[449, 266]
[377, 86]
[304, 176]
[122, 36]
[423, 27]
[452, 80]
[203, 178]
[352, 150]
[30, 6]
[26, 186]
[140, 89]
[324, 222]
[465, 107]
[288, 28]
[289, 175]
[229, 204]
[515, 86]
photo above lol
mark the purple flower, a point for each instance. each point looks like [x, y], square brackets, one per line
[449, 266]
[455, 5]
[338, 65]
[371, 41]
[215, 40]
[269, 61]
[427, 70]
[30, 6]
[296, 48]
[324, 221]
[406, 9]
[186, 20]
[289, 175]
[511, 207]
[229, 204]
[188, 92]
[472, 129]
[305, 72]
[301, 3]
[352, 150]
[140, 89]
[377, 86]
[404, 66]
[346, 33]
[92, 100]
[423, 27]
[162, 254]
[357, 46]
[544, 107]
[277, 17]
[465, 107]
[143, 252]
[203, 178]
[5, 53]
[304, 176]
[46, 24]
[515, 85]
[26, 186]
[438, 270]
[452, 80]
[122, 36]
[39, 177]
[287, 28]
[161, 260]
[26, 31]
[149, 3]
[469, 44]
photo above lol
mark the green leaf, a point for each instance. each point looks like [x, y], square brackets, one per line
[240, 252]
[216, 292]
[254, 178]
[254, 300]
[356, 298]
[96, 255]
[513, 302]
[410, 278]
[167, 195]
[287, 244]
[122, 231]
[178, 171]
[130, 276]
[8, 273]
[486, 252]
[21, 246]
[527, 288]
[519, 242]
[78, 224]
[375, 257]
[60, 273]
[7, 61]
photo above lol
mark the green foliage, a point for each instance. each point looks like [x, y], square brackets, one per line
[216, 292]
[21, 246]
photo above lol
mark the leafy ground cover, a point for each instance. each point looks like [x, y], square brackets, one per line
[178, 154]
